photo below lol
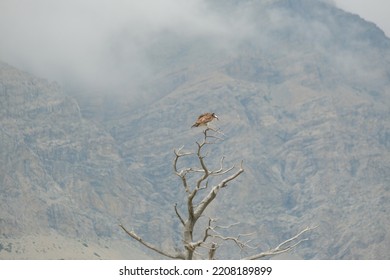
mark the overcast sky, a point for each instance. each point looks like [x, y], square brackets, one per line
[96, 42]
[377, 11]
[99, 41]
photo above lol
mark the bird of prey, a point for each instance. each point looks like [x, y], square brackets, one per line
[204, 119]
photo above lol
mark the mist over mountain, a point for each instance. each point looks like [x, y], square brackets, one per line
[302, 90]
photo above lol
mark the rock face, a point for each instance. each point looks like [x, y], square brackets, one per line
[60, 173]
[303, 99]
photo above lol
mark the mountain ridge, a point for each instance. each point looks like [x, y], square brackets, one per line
[308, 114]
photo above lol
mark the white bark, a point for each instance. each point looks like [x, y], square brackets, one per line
[194, 212]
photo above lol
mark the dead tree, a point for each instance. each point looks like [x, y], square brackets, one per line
[199, 188]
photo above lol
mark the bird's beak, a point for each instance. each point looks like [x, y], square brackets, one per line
[216, 117]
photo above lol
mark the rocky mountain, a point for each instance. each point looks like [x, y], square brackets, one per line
[60, 174]
[302, 90]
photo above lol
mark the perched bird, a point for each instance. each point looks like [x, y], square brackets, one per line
[204, 119]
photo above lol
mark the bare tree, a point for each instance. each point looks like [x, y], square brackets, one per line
[210, 236]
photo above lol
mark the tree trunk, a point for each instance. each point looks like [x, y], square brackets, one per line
[188, 238]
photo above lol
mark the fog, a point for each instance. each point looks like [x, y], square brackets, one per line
[103, 45]
[97, 44]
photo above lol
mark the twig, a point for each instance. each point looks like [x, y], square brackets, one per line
[178, 215]
[279, 249]
[133, 235]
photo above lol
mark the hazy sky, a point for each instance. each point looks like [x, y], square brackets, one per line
[103, 41]
[95, 41]
[377, 11]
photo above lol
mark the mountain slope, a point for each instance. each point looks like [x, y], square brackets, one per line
[302, 90]
[307, 111]
[60, 174]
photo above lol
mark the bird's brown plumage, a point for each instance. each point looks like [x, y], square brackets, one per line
[204, 119]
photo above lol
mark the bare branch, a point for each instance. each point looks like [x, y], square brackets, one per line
[178, 154]
[204, 187]
[282, 247]
[213, 193]
[178, 215]
[236, 240]
[202, 164]
[221, 165]
[133, 235]
[221, 172]
[225, 227]
[182, 174]
[239, 243]
[185, 184]
[212, 250]
[293, 238]
[208, 228]
[202, 242]
[224, 182]
[221, 169]
[213, 136]
[196, 211]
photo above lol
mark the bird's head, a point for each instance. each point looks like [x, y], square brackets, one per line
[215, 116]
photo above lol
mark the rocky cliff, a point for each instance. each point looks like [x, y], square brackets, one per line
[303, 97]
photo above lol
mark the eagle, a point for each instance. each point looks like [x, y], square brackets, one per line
[204, 119]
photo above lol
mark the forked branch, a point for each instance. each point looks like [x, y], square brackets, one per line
[133, 235]
[214, 191]
[178, 215]
[283, 247]
[201, 188]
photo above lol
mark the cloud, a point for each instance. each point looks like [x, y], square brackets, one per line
[106, 45]
[95, 44]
